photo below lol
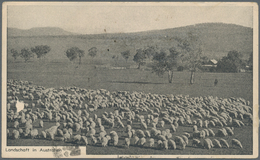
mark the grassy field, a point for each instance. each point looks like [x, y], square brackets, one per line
[57, 74]
[62, 74]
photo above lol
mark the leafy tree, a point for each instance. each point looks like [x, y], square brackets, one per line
[191, 50]
[15, 53]
[41, 50]
[150, 52]
[126, 55]
[74, 53]
[26, 54]
[231, 63]
[165, 61]
[139, 57]
[204, 60]
[92, 52]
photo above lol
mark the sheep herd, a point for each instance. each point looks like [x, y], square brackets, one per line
[103, 118]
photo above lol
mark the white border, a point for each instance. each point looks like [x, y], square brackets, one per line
[83, 154]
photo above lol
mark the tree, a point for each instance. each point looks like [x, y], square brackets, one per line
[41, 50]
[231, 63]
[15, 53]
[126, 55]
[250, 61]
[74, 53]
[139, 57]
[92, 52]
[191, 50]
[150, 51]
[165, 61]
[26, 54]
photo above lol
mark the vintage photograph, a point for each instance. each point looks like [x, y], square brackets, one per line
[130, 79]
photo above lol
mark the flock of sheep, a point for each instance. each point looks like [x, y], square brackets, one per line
[138, 119]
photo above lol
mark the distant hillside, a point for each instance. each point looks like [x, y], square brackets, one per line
[39, 31]
[217, 38]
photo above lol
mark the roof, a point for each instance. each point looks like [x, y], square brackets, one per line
[214, 61]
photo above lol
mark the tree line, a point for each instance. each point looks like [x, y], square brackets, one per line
[41, 51]
[185, 53]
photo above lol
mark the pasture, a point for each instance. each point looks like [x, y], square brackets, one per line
[62, 74]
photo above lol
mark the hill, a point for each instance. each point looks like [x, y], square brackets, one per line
[217, 38]
[39, 31]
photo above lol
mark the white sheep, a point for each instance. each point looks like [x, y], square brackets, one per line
[237, 143]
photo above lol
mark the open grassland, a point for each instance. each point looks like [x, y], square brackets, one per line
[62, 74]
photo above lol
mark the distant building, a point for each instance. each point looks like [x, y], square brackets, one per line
[211, 63]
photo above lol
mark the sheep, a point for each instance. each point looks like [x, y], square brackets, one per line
[20, 130]
[43, 134]
[143, 125]
[168, 135]
[229, 131]
[159, 144]
[59, 132]
[186, 134]
[92, 132]
[222, 132]
[16, 124]
[16, 134]
[216, 143]
[162, 138]
[115, 140]
[129, 134]
[77, 138]
[102, 133]
[237, 143]
[151, 142]
[104, 141]
[41, 124]
[127, 142]
[186, 140]
[165, 144]
[142, 141]
[171, 144]
[196, 142]
[136, 140]
[173, 128]
[147, 133]
[93, 140]
[84, 139]
[195, 128]
[224, 143]
[179, 141]
[34, 133]
[66, 136]
[161, 124]
[211, 132]
[212, 123]
[27, 132]
[76, 127]
[206, 143]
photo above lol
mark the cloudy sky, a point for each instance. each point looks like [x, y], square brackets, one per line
[91, 18]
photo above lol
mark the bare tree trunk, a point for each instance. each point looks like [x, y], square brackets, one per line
[139, 65]
[170, 76]
[192, 77]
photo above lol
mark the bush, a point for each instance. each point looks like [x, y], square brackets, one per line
[180, 68]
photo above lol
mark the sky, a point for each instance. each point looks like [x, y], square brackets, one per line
[94, 18]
